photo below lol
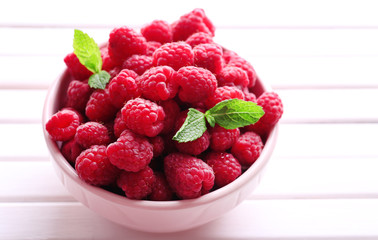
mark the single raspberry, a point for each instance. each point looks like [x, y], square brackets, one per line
[195, 84]
[272, 106]
[131, 152]
[247, 148]
[222, 139]
[138, 63]
[107, 62]
[209, 56]
[78, 93]
[94, 167]
[123, 87]
[156, 83]
[225, 166]
[199, 38]
[76, 69]
[99, 107]
[233, 76]
[189, 177]
[175, 55]
[161, 191]
[158, 30]
[143, 117]
[92, 133]
[125, 42]
[190, 23]
[119, 124]
[249, 96]
[246, 66]
[62, 125]
[157, 145]
[71, 150]
[151, 47]
[223, 93]
[171, 110]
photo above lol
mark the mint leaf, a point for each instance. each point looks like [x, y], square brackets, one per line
[99, 80]
[87, 51]
[193, 127]
[234, 113]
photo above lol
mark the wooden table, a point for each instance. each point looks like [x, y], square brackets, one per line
[320, 56]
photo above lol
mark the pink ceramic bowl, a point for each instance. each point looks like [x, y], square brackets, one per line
[152, 216]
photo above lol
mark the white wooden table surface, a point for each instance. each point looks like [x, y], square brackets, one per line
[320, 56]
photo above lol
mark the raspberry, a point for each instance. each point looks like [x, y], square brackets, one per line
[247, 148]
[199, 38]
[158, 30]
[222, 139]
[190, 23]
[208, 56]
[175, 55]
[143, 117]
[189, 177]
[249, 96]
[94, 167]
[233, 76]
[195, 84]
[114, 72]
[246, 66]
[71, 150]
[171, 110]
[107, 63]
[76, 69]
[92, 133]
[78, 93]
[125, 42]
[156, 83]
[157, 145]
[131, 152]
[223, 93]
[151, 47]
[161, 191]
[62, 125]
[225, 166]
[119, 124]
[81, 117]
[99, 107]
[228, 55]
[123, 87]
[138, 63]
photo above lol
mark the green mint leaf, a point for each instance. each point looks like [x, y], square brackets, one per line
[99, 80]
[234, 113]
[193, 127]
[87, 51]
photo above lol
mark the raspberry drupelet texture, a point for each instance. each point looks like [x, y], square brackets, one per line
[99, 106]
[223, 93]
[233, 76]
[246, 66]
[119, 124]
[171, 110]
[195, 84]
[77, 70]
[199, 38]
[123, 87]
[107, 62]
[249, 96]
[161, 191]
[247, 148]
[175, 55]
[228, 55]
[125, 42]
[157, 145]
[157, 84]
[71, 150]
[138, 63]
[62, 125]
[225, 166]
[189, 177]
[78, 93]
[222, 139]
[92, 133]
[151, 47]
[209, 56]
[94, 167]
[131, 152]
[143, 117]
[158, 31]
[137, 185]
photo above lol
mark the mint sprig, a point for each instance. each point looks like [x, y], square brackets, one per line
[229, 114]
[89, 54]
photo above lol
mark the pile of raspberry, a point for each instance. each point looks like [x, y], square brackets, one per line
[120, 137]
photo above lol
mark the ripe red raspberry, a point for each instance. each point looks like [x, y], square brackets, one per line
[107, 62]
[92, 133]
[71, 150]
[161, 191]
[190, 23]
[199, 38]
[62, 125]
[208, 56]
[272, 106]
[119, 124]
[223, 93]
[233, 76]
[189, 177]
[156, 83]
[99, 107]
[157, 145]
[222, 139]
[151, 47]
[195, 84]
[76, 69]
[78, 93]
[228, 55]
[143, 117]
[171, 110]
[125, 42]
[158, 30]
[123, 87]
[131, 152]
[225, 166]
[246, 66]
[137, 185]
[138, 63]
[247, 148]
[249, 96]
[175, 55]
[94, 167]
